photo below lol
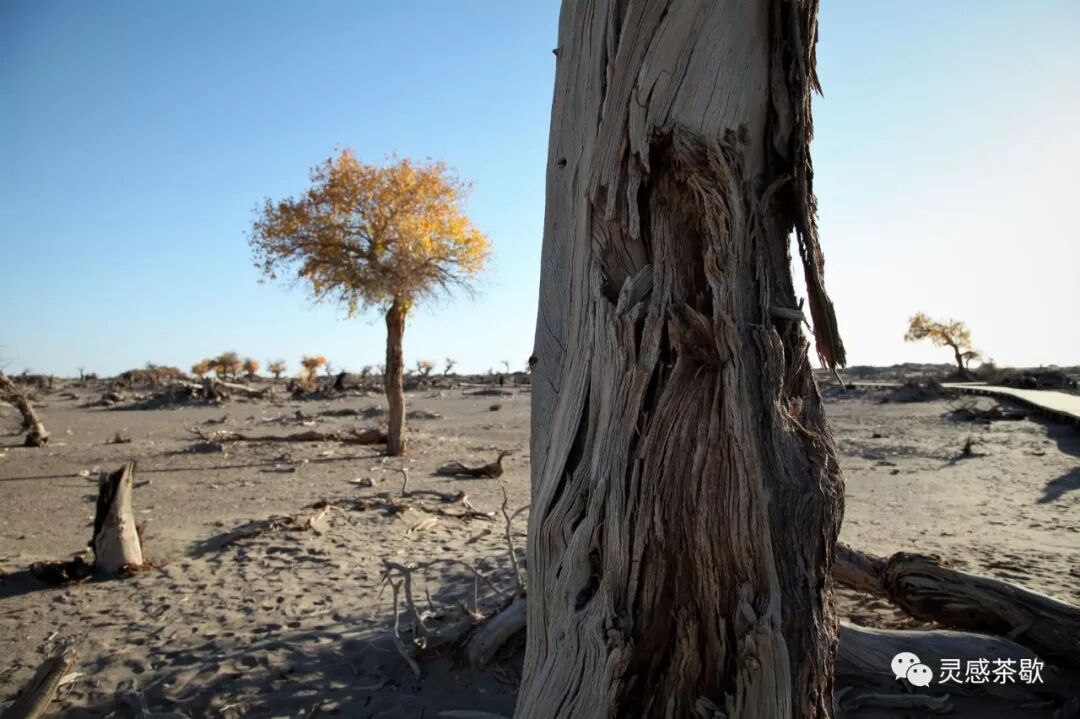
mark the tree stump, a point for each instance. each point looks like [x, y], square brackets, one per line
[116, 541]
[36, 436]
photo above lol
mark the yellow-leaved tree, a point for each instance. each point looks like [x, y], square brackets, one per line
[374, 236]
[950, 333]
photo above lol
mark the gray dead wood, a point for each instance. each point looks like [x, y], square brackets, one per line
[685, 490]
[927, 589]
[36, 436]
[357, 436]
[116, 542]
[490, 470]
[36, 696]
[490, 636]
[866, 686]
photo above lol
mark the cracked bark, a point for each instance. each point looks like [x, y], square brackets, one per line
[686, 497]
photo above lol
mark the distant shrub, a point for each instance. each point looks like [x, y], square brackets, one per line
[310, 370]
[203, 367]
[227, 365]
[425, 368]
[251, 367]
[156, 374]
[276, 368]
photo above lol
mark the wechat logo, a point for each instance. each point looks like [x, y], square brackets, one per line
[906, 665]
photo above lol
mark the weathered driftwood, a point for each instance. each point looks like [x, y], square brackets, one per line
[357, 436]
[490, 636]
[867, 687]
[36, 436]
[685, 491]
[490, 470]
[926, 589]
[215, 389]
[865, 684]
[311, 519]
[116, 542]
[36, 696]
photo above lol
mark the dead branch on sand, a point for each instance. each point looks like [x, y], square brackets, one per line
[445, 497]
[491, 470]
[398, 642]
[36, 696]
[309, 519]
[508, 517]
[36, 436]
[483, 637]
[362, 436]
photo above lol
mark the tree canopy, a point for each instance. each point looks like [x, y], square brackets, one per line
[949, 333]
[365, 235]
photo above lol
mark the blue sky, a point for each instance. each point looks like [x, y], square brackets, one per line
[136, 138]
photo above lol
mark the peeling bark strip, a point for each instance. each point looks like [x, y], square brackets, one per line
[686, 497]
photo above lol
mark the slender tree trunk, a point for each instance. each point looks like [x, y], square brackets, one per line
[393, 377]
[686, 496]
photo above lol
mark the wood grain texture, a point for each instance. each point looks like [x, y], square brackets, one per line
[686, 497]
[116, 542]
[929, 590]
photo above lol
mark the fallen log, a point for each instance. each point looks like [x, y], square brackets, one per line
[213, 388]
[363, 436]
[490, 470]
[488, 637]
[116, 542]
[926, 589]
[867, 687]
[36, 436]
[36, 696]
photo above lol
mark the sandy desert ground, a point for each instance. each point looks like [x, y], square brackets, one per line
[296, 623]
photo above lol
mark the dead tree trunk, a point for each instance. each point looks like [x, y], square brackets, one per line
[393, 377]
[36, 436]
[210, 390]
[928, 590]
[116, 540]
[686, 496]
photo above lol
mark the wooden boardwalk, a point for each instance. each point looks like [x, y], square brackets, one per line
[1059, 406]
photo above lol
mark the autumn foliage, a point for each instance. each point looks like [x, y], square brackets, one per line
[251, 367]
[374, 236]
[277, 368]
[227, 365]
[202, 368]
[367, 235]
[309, 372]
[425, 368]
[950, 333]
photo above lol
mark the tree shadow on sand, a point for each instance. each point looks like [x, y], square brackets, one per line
[1067, 438]
[1057, 488]
[347, 665]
